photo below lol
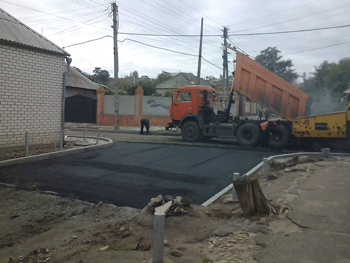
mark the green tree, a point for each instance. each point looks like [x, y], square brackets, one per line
[328, 76]
[147, 84]
[100, 76]
[326, 85]
[162, 77]
[270, 59]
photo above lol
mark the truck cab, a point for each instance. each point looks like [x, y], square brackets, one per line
[188, 101]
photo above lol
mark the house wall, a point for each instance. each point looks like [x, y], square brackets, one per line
[30, 96]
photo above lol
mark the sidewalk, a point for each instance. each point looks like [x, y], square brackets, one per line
[316, 197]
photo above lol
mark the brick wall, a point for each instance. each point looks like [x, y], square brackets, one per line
[30, 96]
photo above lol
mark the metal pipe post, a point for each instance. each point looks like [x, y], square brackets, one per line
[234, 194]
[26, 144]
[325, 152]
[98, 135]
[84, 134]
[61, 139]
[158, 237]
[265, 168]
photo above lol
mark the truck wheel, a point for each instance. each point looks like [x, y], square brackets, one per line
[190, 131]
[248, 135]
[278, 138]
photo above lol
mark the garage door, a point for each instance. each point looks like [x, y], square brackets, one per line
[80, 109]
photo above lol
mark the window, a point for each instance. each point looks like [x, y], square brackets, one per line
[184, 96]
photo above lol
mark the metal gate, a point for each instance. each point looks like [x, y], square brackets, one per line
[80, 109]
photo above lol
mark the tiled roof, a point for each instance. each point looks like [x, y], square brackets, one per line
[13, 31]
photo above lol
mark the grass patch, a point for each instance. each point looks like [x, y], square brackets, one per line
[118, 247]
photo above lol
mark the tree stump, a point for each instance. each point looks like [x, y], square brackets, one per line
[251, 197]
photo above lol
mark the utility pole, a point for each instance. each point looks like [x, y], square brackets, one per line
[225, 70]
[200, 55]
[116, 64]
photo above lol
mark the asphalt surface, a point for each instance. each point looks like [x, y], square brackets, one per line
[130, 174]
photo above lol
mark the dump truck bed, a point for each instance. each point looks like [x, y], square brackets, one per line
[267, 89]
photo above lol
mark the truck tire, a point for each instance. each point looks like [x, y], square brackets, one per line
[248, 135]
[278, 138]
[190, 132]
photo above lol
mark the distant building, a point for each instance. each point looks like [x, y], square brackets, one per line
[179, 80]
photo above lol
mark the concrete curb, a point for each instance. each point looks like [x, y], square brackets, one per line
[51, 155]
[257, 168]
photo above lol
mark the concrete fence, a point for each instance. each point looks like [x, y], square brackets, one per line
[132, 109]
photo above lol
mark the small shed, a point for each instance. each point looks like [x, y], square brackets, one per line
[31, 84]
[81, 98]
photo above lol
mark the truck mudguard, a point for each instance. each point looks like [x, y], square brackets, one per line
[267, 89]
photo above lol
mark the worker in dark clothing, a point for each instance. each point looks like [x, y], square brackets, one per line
[260, 115]
[267, 128]
[145, 123]
[267, 113]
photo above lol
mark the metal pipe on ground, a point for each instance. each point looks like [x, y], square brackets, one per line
[158, 237]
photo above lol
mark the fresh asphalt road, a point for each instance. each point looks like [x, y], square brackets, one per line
[130, 174]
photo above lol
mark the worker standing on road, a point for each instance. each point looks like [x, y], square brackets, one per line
[145, 123]
[267, 113]
[260, 115]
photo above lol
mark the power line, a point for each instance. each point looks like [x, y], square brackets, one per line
[290, 20]
[139, 42]
[319, 48]
[277, 13]
[91, 40]
[243, 34]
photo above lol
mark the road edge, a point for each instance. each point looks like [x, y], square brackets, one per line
[258, 167]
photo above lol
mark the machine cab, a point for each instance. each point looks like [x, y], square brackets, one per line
[189, 100]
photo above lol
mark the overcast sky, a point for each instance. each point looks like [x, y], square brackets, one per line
[69, 22]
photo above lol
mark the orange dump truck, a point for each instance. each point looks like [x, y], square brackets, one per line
[192, 111]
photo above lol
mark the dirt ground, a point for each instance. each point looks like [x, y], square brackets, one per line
[44, 227]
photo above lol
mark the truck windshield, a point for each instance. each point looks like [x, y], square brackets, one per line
[184, 96]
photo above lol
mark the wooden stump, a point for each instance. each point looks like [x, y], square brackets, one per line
[251, 197]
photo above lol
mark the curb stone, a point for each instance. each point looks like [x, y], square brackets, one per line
[51, 155]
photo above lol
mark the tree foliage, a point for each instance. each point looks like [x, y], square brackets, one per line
[270, 59]
[326, 85]
[162, 77]
[100, 76]
[334, 77]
